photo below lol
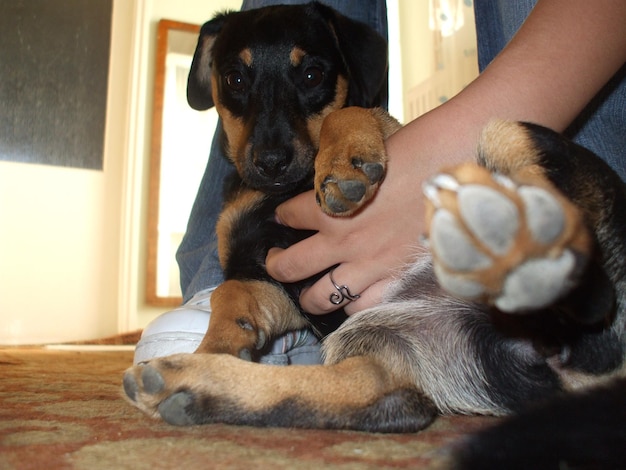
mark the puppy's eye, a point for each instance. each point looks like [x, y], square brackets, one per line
[235, 81]
[313, 76]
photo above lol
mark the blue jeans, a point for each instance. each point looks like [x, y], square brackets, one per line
[601, 127]
[197, 254]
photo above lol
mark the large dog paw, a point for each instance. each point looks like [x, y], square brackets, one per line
[352, 160]
[148, 386]
[515, 245]
[182, 389]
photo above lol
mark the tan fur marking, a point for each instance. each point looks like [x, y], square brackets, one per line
[296, 55]
[575, 380]
[507, 148]
[236, 132]
[246, 56]
[314, 124]
[263, 306]
[246, 199]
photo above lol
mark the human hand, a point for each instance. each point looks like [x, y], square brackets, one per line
[369, 247]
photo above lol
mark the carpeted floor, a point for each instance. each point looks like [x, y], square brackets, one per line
[64, 409]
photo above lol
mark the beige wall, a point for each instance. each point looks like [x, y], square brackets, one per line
[415, 35]
[59, 232]
[435, 66]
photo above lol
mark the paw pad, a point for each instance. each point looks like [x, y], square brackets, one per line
[174, 409]
[352, 190]
[374, 171]
[518, 246]
[345, 183]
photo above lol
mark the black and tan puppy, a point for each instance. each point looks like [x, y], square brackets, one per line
[275, 76]
[522, 299]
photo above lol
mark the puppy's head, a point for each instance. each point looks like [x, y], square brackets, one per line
[274, 74]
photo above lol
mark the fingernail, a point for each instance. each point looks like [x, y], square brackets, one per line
[277, 219]
[273, 251]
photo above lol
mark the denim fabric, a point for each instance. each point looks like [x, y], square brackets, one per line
[370, 12]
[197, 254]
[601, 127]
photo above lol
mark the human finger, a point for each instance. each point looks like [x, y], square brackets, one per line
[345, 286]
[300, 212]
[302, 260]
[370, 297]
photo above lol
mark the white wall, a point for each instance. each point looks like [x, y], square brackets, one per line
[59, 232]
[55, 245]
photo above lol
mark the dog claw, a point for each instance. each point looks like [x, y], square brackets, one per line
[445, 181]
[245, 324]
[431, 192]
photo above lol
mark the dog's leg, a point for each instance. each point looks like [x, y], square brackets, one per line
[351, 161]
[506, 235]
[356, 393]
[245, 314]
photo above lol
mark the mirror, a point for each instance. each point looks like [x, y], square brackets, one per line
[181, 141]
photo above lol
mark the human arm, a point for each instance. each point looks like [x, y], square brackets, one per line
[560, 58]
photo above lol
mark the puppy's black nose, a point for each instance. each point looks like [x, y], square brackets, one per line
[271, 163]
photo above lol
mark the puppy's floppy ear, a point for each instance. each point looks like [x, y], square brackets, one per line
[199, 81]
[365, 54]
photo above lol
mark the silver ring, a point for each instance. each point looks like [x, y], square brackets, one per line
[343, 292]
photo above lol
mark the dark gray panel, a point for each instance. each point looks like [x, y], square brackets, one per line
[54, 61]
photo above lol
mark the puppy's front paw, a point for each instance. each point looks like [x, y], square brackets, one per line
[352, 160]
[349, 185]
[517, 246]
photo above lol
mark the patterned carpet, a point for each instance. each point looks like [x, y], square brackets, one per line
[64, 409]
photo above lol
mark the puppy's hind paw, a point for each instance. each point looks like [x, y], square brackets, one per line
[517, 245]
